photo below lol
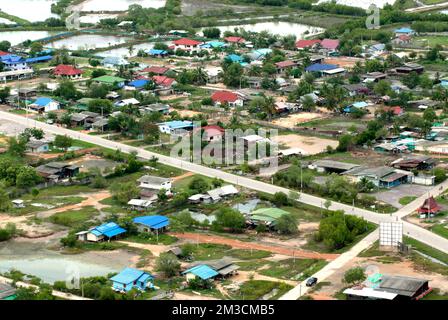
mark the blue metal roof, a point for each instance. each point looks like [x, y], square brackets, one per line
[177, 124]
[153, 222]
[42, 102]
[202, 271]
[130, 275]
[139, 83]
[404, 30]
[109, 230]
[155, 52]
[39, 59]
[321, 67]
[234, 58]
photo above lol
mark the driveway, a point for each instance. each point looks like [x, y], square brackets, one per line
[393, 196]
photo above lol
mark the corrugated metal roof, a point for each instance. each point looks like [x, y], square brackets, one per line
[202, 271]
[109, 230]
[153, 222]
[130, 275]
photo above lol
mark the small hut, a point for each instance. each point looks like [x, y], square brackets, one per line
[429, 207]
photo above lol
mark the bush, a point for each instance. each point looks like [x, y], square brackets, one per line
[354, 275]
[286, 224]
[168, 264]
[280, 199]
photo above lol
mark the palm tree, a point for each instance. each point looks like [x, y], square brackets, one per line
[200, 76]
[269, 107]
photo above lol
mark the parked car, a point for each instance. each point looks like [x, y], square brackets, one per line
[311, 281]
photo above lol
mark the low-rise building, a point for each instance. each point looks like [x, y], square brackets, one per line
[130, 278]
[103, 232]
[152, 224]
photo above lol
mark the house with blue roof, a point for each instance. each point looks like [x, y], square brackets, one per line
[259, 54]
[151, 223]
[404, 31]
[213, 45]
[39, 59]
[44, 104]
[157, 53]
[355, 105]
[130, 278]
[105, 231]
[176, 127]
[139, 83]
[14, 62]
[235, 58]
[201, 271]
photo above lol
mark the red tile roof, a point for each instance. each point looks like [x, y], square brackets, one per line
[3, 53]
[163, 81]
[156, 70]
[212, 131]
[396, 110]
[224, 96]
[302, 44]
[285, 64]
[330, 44]
[67, 70]
[186, 42]
[235, 39]
[404, 37]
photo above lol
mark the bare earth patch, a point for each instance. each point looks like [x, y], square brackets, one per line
[308, 145]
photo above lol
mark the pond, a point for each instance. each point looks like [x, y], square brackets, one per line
[87, 42]
[280, 28]
[95, 18]
[118, 5]
[124, 51]
[31, 10]
[16, 37]
[247, 207]
[362, 3]
[50, 266]
[200, 217]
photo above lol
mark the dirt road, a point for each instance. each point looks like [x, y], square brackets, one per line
[292, 252]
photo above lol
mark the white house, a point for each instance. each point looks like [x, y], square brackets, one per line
[45, 105]
[155, 183]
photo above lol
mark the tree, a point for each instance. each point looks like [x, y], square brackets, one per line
[123, 192]
[101, 106]
[269, 107]
[354, 275]
[27, 177]
[233, 75]
[5, 202]
[199, 185]
[67, 90]
[345, 143]
[5, 46]
[280, 199]
[17, 147]
[211, 33]
[66, 119]
[168, 264]
[429, 115]
[63, 142]
[411, 80]
[286, 224]
[4, 94]
[36, 47]
[228, 218]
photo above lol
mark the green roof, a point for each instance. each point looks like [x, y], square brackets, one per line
[269, 213]
[109, 79]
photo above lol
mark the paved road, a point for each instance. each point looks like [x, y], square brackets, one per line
[333, 266]
[431, 7]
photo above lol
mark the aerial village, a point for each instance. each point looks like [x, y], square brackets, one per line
[90, 187]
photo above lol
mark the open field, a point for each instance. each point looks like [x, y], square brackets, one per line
[309, 145]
